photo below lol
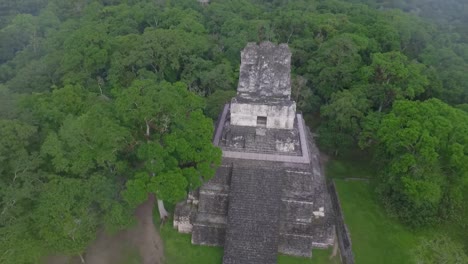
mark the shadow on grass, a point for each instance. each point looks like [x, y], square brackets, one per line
[356, 166]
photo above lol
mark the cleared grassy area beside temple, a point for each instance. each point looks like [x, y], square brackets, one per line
[376, 237]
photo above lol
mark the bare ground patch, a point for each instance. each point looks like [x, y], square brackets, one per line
[114, 249]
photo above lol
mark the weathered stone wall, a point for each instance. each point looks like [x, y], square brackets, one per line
[342, 233]
[324, 233]
[278, 116]
[208, 234]
[209, 225]
[264, 88]
[183, 217]
[265, 70]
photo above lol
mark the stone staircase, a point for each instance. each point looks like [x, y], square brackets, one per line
[253, 216]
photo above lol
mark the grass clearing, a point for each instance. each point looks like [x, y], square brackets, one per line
[376, 237]
[355, 168]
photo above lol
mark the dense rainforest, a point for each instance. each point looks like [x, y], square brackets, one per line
[105, 101]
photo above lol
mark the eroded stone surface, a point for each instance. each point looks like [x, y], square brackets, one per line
[264, 88]
[265, 71]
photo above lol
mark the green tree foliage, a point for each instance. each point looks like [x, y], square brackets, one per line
[344, 115]
[51, 109]
[157, 53]
[108, 93]
[85, 143]
[17, 35]
[86, 55]
[65, 217]
[440, 249]
[450, 67]
[19, 187]
[43, 213]
[18, 180]
[216, 101]
[8, 103]
[422, 150]
[172, 140]
[391, 76]
[336, 64]
[303, 95]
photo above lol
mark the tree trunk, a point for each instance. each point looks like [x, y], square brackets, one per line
[162, 211]
[82, 259]
[147, 130]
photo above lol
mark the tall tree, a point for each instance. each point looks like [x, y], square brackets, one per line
[392, 76]
[20, 183]
[342, 119]
[158, 53]
[87, 143]
[439, 249]
[172, 140]
[70, 210]
[422, 151]
[337, 63]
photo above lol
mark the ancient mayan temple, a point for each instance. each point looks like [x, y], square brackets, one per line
[269, 195]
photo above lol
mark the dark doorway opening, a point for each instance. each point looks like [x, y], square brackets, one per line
[261, 121]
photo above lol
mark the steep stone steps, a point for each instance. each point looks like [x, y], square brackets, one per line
[253, 216]
[209, 227]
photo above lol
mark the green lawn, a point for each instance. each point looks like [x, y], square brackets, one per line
[356, 166]
[179, 250]
[376, 238]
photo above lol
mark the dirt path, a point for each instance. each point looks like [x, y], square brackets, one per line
[106, 249]
[145, 236]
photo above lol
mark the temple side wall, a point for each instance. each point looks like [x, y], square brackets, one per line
[281, 117]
